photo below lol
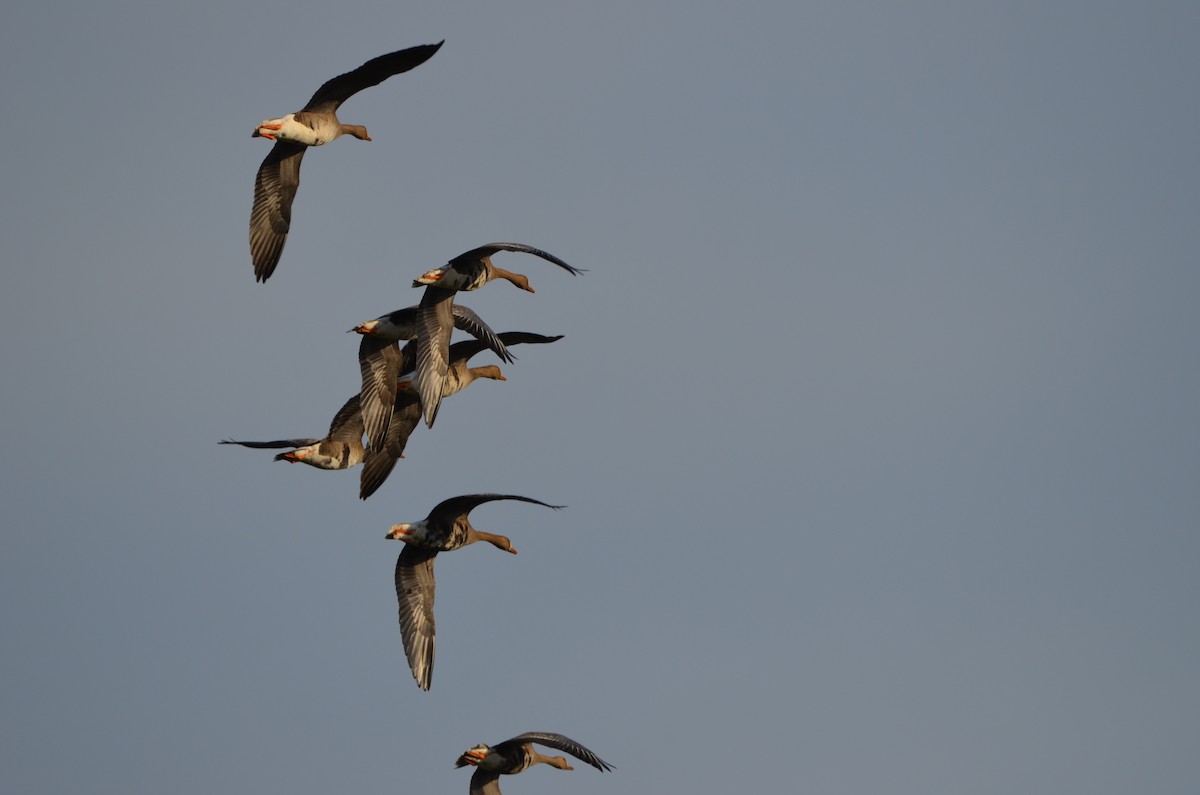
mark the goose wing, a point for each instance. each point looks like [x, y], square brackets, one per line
[347, 424]
[435, 323]
[551, 740]
[446, 511]
[378, 464]
[484, 782]
[414, 592]
[379, 364]
[271, 216]
[462, 351]
[464, 261]
[329, 97]
[276, 444]
[466, 320]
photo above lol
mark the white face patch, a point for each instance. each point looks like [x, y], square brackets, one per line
[417, 532]
[414, 532]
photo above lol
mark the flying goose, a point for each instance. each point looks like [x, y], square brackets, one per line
[341, 448]
[279, 175]
[468, 271]
[446, 528]
[518, 755]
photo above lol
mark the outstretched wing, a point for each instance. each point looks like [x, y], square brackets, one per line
[333, 93]
[435, 324]
[447, 511]
[559, 741]
[461, 351]
[379, 364]
[414, 593]
[271, 216]
[278, 443]
[480, 253]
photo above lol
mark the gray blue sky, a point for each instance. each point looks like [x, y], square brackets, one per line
[876, 413]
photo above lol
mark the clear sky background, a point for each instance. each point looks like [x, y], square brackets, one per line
[876, 414]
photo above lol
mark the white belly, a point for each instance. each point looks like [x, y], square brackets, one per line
[296, 132]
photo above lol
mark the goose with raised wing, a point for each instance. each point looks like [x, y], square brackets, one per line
[473, 269]
[316, 124]
[445, 528]
[406, 409]
[468, 271]
[517, 755]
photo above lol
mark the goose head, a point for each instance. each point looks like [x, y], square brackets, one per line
[473, 756]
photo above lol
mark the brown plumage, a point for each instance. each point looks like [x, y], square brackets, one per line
[468, 271]
[279, 175]
[446, 528]
[517, 755]
[406, 409]
[341, 448]
[380, 360]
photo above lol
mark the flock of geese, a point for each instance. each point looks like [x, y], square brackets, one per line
[400, 387]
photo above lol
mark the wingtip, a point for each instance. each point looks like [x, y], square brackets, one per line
[365, 490]
[431, 413]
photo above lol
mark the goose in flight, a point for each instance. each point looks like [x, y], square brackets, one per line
[341, 448]
[316, 124]
[518, 755]
[445, 528]
[468, 271]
